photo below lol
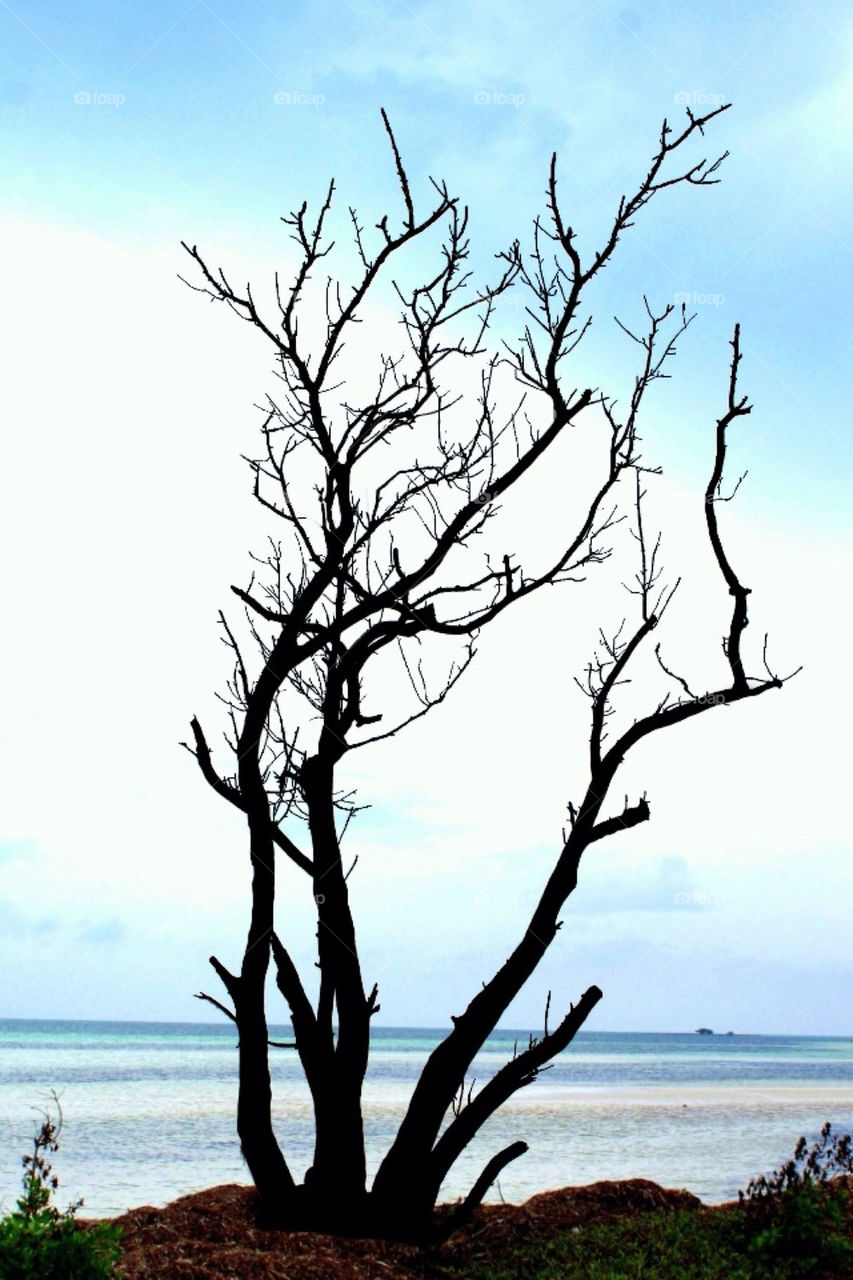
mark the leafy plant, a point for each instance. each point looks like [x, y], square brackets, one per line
[37, 1241]
[798, 1215]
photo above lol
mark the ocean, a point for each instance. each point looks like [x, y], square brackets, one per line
[150, 1108]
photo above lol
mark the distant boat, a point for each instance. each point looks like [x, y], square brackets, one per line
[704, 1031]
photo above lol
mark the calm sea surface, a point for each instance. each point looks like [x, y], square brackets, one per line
[150, 1107]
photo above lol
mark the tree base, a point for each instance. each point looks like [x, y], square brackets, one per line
[359, 1217]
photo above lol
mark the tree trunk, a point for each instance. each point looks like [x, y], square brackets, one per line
[339, 1170]
[258, 1143]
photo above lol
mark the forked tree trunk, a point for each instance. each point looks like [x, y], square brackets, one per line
[410, 1162]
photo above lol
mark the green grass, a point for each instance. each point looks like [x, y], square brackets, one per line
[669, 1245]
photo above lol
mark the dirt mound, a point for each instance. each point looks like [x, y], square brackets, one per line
[213, 1235]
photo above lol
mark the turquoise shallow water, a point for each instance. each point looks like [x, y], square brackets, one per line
[150, 1107]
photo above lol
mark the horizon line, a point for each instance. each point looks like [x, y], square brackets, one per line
[442, 1031]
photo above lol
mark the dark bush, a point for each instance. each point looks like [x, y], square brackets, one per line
[37, 1241]
[797, 1216]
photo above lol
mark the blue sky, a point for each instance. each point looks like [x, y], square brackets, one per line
[126, 514]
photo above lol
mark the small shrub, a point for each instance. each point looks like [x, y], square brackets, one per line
[797, 1217]
[37, 1241]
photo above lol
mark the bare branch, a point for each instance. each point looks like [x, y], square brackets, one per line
[736, 408]
[202, 995]
[493, 1169]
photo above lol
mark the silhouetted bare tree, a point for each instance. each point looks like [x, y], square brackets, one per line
[379, 501]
